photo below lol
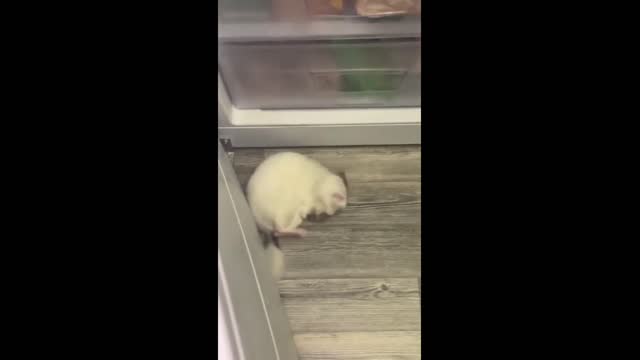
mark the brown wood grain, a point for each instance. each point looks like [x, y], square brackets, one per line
[351, 288]
[338, 305]
[362, 164]
[378, 345]
[375, 250]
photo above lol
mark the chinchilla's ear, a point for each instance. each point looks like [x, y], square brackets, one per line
[343, 176]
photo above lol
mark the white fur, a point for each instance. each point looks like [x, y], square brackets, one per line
[288, 186]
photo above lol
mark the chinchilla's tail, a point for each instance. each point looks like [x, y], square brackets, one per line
[276, 259]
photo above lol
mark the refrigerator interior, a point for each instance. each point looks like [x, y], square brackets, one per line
[320, 54]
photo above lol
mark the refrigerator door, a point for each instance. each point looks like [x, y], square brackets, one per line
[252, 324]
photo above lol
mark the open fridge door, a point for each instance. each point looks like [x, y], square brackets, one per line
[252, 324]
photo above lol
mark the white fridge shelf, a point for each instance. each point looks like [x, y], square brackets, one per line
[319, 29]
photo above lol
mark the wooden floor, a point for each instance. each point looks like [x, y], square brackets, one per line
[352, 286]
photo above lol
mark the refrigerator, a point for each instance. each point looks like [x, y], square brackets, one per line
[301, 73]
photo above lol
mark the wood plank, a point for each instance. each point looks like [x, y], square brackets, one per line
[375, 238]
[347, 152]
[377, 235]
[381, 213]
[376, 251]
[368, 164]
[248, 156]
[390, 192]
[245, 161]
[351, 265]
[362, 164]
[337, 305]
[382, 345]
